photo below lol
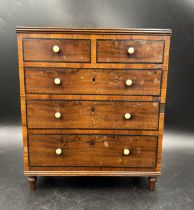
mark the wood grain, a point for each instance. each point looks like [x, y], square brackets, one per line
[93, 114]
[71, 50]
[93, 81]
[92, 150]
[95, 172]
[92, 97]
[23, 102]
[55, 30]
[116, 51]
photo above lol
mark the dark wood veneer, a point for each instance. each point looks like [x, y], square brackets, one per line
[120, 31]
[115, 51]
[93, 81]
[92, 150]
[93, 114]
[71, 50]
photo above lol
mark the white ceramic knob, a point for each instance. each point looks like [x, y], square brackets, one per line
[57, 81]
[126, 151]
[131, 50]
[127, 116]
[56, 49]
[58, 151]
[57, 115]
[129, 82]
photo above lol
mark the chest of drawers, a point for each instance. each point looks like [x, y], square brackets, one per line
[92, 101]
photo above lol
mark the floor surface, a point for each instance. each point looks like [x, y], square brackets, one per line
[175, 188]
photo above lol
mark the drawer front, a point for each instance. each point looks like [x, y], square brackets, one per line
[143, 51]
[69, 50]
[92, 114]
[90, 81]
[92, 150]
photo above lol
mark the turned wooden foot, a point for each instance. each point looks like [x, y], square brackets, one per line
[152, 183]
[32, 181]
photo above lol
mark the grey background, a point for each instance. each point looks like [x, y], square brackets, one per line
[174, 14]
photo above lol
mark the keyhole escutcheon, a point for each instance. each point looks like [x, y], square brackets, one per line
[94, 79]
[92, 109]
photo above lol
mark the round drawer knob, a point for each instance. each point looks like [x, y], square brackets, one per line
[127, 116]
[56, 49]
[129, 82]
[57, 115]
[57, 81]
[58, 151]
[131, 50]
[126, 151]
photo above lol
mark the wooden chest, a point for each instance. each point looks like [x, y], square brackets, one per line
[92, 101]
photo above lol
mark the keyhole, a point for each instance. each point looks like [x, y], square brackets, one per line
[93, 79]
[92, 142]
[92, 109]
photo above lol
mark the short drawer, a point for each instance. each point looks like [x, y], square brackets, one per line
[130, 51]
[92, 114]
[91, 81]
[92, 150]
[57, 50]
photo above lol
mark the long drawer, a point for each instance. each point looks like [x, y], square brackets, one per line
[92, 150]
[57, 50]
[130, 51]
[93, 81]
[92, 114]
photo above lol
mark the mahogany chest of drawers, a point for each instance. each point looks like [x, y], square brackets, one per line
[92, 101]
